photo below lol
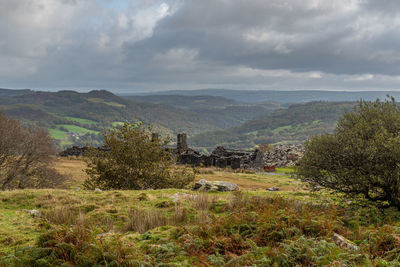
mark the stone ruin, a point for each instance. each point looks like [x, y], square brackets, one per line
[278, 156]
[283, 155]
[220, 157]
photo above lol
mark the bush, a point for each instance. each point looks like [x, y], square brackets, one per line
[134, 161]
[25, 157]
[361, 157]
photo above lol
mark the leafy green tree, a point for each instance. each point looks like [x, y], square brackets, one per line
[361, 157]
[133, 160]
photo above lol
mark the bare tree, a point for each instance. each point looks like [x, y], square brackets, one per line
[25, 157]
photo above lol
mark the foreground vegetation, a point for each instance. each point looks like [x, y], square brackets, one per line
[173, 227]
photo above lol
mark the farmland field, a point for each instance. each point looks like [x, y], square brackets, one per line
[80, 120]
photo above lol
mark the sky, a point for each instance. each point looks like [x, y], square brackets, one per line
[142, 45]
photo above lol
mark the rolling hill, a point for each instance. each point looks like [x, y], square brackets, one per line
[77, 118]
[292, 125]
[284, 97]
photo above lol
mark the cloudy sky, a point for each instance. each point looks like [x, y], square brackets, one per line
[144, 45]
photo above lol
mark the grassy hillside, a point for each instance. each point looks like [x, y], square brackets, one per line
[89, 113]
[78, 118]
[292, 125]
[170, 227]
[222, 111]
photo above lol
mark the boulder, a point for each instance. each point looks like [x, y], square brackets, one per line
[343, 242]
[273, 189]
[215, 186]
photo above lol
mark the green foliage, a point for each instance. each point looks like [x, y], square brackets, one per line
[361, 157]
[133, 161]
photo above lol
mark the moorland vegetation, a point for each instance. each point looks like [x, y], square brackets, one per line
[250, 227]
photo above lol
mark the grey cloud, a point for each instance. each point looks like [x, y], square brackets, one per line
[238, 44]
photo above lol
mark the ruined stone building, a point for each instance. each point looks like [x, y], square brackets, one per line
[220, 157]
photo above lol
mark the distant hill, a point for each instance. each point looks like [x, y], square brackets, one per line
[78, 118]
[187, 102]
[222, 111]
[293, 125]
[282, 97]
[14, 92]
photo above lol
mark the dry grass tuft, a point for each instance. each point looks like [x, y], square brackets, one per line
[180, 215]
[62, 215]
[143, 220]
[204, 201]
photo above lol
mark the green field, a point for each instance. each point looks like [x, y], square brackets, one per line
[57, 134]
[80, 120]
[279, 129]
[117, 123]
[76, 129]
[100, 100]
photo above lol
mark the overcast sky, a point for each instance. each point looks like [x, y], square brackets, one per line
[144, 45]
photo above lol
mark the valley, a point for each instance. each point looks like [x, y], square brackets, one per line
[220, 118]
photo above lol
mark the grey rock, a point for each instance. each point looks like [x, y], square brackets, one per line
[343, 242]
[215, 186]
[273, 189]
[35, 213]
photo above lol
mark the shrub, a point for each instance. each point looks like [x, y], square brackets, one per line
[25, 157]
[361, 157]
[134, 161]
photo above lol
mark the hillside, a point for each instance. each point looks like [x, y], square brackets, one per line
[186, 102]
[284, 97]
[222, 111]
[78, 118]
[13, 92]
[292, 125]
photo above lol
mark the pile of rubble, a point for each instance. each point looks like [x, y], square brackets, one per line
[283, 155]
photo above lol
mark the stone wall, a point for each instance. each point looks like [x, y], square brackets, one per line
[223, 158]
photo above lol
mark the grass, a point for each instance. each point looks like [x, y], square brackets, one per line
[57, 134]
[251, 227]
[76, 129]
[248, 181]
[80, 120]
[279, 129]
[117, 123]
[74, 168]
[100, 100]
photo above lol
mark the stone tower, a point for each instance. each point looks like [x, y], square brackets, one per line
[181, 142]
